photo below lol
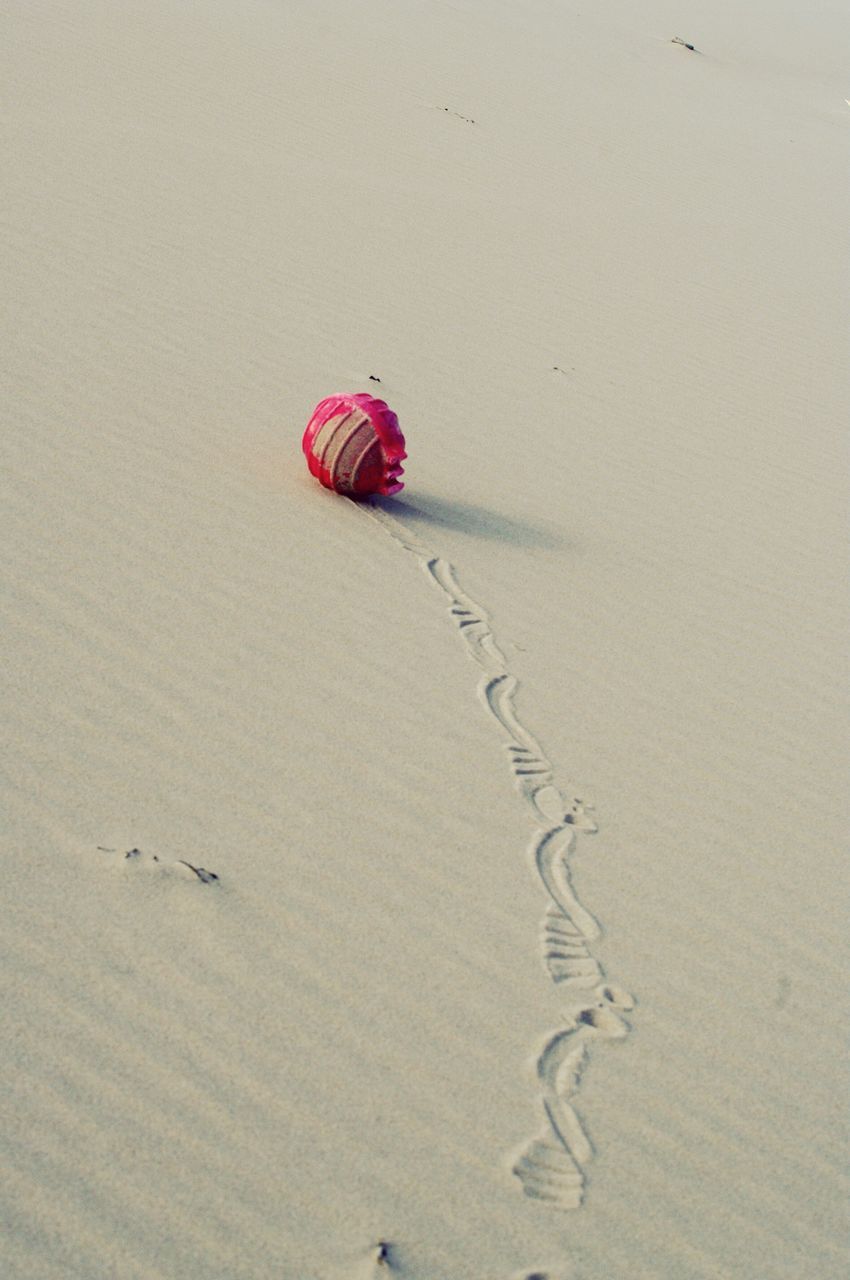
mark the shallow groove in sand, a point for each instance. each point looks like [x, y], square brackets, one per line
[551, 1166]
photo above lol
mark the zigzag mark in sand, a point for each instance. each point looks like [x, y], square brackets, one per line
[552, 1165]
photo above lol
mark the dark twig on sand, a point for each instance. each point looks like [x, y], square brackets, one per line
[457, 115]
[206, 877]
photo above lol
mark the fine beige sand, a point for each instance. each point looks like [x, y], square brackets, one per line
[452, 887]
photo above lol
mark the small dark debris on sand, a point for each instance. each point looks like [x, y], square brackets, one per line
[201, 873]
[382, 1254]
[206, 877]
[683, 43]
[373, 377]
[457, 115]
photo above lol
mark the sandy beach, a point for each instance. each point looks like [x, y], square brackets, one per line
[449, 886]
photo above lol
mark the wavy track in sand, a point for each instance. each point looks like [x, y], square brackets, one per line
[552, 1165]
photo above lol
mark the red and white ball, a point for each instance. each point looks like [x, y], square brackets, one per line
[354, 446]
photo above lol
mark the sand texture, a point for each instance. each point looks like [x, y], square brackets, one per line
[452, 886]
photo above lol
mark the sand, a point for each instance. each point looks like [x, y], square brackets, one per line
[522, 792]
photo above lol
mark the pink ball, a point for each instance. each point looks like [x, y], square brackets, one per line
[354, 446]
